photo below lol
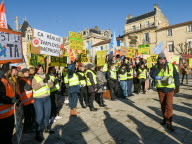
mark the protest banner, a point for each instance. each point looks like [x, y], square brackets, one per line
[153, 58]
[19, 118]
[46, 43]
[58, 61]
[144, 48]
[175, 58]
[101, 58]
[75, 41]
[190, 62]
[131, 52]
[36, 59]
[123, 51]
[83, 58]
[10, 46]
[149, 62]
[186, 56]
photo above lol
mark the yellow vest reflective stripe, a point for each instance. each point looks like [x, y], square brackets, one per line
[88, 80]
[105, 68]
[57, 86]
[123, 76]
[43, 90]
[177, 68]
[82, 82]
[163, 73]
[113, 74]
[131, 72]
[72, 81]
[142, 74]
[66, 80]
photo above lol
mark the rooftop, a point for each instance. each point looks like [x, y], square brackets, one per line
[24, 27]
[106, 41]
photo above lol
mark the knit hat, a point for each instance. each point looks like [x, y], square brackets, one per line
[90, 66]
[174, 63]
[5, 67]
[161, 56]
[24, 70]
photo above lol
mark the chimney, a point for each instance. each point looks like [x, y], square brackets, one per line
[129, 16]
[16, 23]
[156, 7]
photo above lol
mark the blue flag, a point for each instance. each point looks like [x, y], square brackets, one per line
[113, 41]
[159, 48]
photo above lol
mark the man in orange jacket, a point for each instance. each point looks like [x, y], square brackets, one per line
[7, 100]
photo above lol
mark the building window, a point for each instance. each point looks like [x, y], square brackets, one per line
[189, 41]
[170, 46]
[169, 32]
[140, 26]
[134, 28]
[189, 28]
[147, 24]
[146, 37]
[101, 47]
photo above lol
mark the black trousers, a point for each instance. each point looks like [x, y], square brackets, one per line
[141, 84]
[53, 97]
[91, 99]
[99, 98]
[186, 78]
[6, 129]
[29, 115]
[83, 96]
[113, 87]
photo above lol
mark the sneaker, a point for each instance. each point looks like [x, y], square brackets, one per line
[58, 117]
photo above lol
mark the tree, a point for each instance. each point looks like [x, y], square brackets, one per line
[184, 48]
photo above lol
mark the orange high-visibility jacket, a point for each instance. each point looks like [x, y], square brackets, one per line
[26, 96]
[6, 110]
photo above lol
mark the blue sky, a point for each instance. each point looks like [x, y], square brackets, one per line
[60, 16]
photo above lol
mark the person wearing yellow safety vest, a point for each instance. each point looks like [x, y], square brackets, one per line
[142, 75]
[92, 85]
[83, 98]
[167, 83]
[54, 94]
[112, 80]
[130, 73]
[41, 85]
[7, 100]
[72, 83]
[123, 80]
[105, 68]
[26, 95]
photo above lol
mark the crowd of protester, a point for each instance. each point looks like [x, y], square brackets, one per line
[39, 91]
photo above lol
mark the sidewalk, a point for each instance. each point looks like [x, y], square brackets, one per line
[130, 121]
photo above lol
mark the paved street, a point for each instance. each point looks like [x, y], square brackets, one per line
[130, 121]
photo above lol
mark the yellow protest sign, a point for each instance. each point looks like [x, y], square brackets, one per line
[101, 58]
[190, 62]
[58, 61]
[149, 62]
[75, 41]
[144, 48]
[83, 58]
[175, 58]
[154, 58]
[131, 52]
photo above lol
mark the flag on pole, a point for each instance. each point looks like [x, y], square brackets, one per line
[113, 41]
[159, 48]
[3, 19]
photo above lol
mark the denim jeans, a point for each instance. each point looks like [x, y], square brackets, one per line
[124, 88]
[73, 99]
[43, 112]
[129, 86]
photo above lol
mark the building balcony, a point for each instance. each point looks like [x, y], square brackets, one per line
[140, 28]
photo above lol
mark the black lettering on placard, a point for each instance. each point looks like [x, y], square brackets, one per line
[2, 37]
[7, 36]
[17, 38]
[40, 34]
[16, 51]
[10, 48]
[52, 59]
[153, 58]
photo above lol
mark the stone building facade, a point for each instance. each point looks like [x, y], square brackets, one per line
[143, 28]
